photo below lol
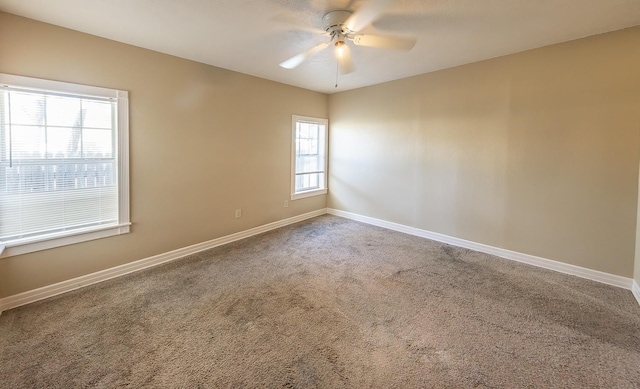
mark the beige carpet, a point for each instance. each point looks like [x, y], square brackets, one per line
[329, 303]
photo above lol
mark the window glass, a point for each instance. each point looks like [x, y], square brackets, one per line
[308, 156]
[61, 173]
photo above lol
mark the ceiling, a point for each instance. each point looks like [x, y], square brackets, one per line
[254, 36]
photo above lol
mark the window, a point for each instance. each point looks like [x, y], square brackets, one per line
[308, 157]
[64, 168]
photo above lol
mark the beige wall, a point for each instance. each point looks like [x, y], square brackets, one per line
[535, 152]
[204, 141]
[637, 256]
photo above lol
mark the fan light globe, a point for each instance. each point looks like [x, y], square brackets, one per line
[340, 48]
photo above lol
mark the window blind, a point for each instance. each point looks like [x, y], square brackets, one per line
[58, 162]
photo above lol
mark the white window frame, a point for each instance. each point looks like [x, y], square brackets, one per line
[323, 185]
[58, 239]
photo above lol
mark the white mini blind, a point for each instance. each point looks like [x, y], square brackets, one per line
[58, 162]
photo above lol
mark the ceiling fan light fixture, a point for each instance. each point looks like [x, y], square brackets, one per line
[340, 48]
[343, 25]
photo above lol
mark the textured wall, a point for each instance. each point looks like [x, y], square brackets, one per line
[203, 141]
[636, 268]
[535, 152]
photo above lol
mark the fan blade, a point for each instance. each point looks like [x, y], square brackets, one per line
[384, 42]
[368, 13]
[344, 60]
[293, 62]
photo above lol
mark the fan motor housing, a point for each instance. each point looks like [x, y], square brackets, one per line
[334, 22]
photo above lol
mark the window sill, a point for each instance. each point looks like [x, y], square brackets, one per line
[309, 193]
[25, 246]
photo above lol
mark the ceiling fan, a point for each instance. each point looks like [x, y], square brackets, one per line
[342, 26]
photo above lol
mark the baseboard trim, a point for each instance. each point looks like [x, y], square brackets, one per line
[635, 289]
[93, 278]
[103, 275]
[594, 275]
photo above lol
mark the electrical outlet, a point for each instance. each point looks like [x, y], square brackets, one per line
[238, 213]
[286, 203]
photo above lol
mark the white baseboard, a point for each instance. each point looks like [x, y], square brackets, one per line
[93, 278]
[103, 275]
[635, 289]
[595, 275]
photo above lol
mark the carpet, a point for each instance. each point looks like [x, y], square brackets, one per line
[329, 303]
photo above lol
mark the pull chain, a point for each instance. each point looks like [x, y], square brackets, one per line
[337, 74]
